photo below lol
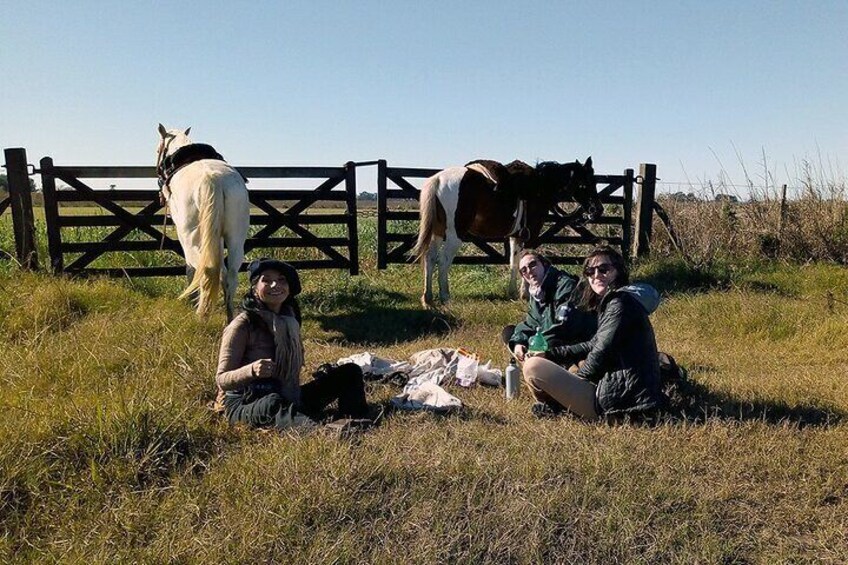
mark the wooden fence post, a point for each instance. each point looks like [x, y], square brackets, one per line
[382, 208]
[352, 230]
[51, 215]
[23, 221]
[645, 209]
[627, 215]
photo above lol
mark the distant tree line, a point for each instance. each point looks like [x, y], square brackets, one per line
[691, 197]
[372, 196]
[4, 184]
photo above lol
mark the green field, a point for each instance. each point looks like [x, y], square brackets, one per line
[107, 453]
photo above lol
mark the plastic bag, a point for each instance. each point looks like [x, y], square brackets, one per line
[466, 367]
[487, 375]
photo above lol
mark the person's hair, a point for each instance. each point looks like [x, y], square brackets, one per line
[539, 257]
[588, 299]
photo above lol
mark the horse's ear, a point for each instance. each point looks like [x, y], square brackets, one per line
[187, 130]
[162, 130]
[588, 161]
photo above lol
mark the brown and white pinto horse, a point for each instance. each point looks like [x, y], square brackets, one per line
[489, 200]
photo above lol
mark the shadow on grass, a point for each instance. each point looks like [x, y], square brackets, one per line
[693, 402]
[373, 316]
[673, 276]
[763, 287]
[470, 413]
[492, 296]
[466, 414]
[356, 296]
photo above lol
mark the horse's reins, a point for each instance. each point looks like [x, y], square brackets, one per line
[163, 182]
[160, 161]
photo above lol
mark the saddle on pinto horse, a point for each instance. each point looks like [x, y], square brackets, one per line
[513, 182]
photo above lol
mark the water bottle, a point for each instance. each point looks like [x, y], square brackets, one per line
[538, 343]
[512, 379]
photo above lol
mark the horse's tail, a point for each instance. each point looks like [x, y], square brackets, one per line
[427, 210]
[207, 274]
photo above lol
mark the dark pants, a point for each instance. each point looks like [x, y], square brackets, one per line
[343, 383]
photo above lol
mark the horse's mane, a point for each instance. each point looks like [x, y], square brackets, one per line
[553, 176]
[546, 166]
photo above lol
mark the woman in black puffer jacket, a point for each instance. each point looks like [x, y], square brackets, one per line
[620, 370]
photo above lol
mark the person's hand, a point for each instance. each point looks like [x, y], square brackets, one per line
[262, 368]
[519, 351]
[536, 354]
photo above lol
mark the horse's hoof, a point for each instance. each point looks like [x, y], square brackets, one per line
[426, 302]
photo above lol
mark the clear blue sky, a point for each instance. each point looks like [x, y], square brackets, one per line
[685, 85]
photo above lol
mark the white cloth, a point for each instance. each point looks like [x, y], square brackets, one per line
[427, 396]
[370, 363]
[437, 366]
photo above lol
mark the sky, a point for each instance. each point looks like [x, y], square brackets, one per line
[698, 88]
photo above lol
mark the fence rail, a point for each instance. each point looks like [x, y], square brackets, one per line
[136, 218]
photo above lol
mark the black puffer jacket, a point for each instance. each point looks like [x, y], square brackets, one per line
[622, 356]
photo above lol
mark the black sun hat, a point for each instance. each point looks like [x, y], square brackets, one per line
[259, 266]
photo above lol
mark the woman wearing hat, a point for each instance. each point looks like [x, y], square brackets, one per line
[262, 355]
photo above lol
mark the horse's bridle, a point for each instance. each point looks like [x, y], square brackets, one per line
[581, 214]
[160, 158]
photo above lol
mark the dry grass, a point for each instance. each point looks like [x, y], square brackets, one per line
[811, 225]
[107, 454]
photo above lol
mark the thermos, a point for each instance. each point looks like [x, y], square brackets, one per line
[513, 375]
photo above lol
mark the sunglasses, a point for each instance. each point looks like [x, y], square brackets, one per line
[528, 267]
[602, 269]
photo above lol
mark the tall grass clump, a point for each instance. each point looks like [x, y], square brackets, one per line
[714, 223]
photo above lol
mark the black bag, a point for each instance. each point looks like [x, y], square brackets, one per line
[670, 371]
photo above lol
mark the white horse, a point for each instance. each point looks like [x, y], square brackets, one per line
[209, 204]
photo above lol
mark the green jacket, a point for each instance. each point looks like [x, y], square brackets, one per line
[562, 323]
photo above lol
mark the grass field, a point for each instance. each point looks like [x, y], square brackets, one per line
[108, 454]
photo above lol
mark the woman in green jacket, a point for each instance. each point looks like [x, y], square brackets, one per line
[551, 307]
